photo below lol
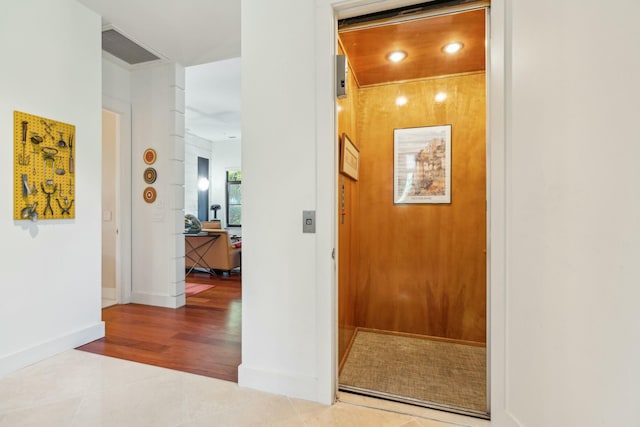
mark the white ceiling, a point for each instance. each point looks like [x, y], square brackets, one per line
[212, 100]
[194, 33]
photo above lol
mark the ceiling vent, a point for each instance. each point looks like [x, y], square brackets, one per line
[125, 49]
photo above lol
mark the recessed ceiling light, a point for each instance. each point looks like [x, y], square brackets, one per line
[401, 100]
[396, 55]
[440, 97]
[453, 47]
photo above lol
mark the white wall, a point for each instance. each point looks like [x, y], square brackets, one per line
[50, 270]
[279, 324]
[116, 81]
[157, 99]
[572, 214]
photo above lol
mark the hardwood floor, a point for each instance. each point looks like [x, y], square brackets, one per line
[201, 338]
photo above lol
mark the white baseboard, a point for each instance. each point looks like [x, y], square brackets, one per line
[504, 418]
[297, 386]
[29, 356]
[109, 293]
[511, 421]
[158, 300]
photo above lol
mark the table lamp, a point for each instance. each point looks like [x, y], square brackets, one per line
[215, 208]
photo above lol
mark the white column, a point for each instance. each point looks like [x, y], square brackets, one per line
[279, 324]
[157, 96]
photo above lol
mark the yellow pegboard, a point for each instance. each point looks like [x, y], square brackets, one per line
[44, 152]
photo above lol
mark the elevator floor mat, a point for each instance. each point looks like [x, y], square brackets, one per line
[419, 370]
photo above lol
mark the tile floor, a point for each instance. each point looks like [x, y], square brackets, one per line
[82, 389]
[106, 302]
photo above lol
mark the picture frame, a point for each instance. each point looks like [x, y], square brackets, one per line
[422, 165]
[349, 158]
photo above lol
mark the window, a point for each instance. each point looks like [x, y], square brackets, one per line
[234, 198]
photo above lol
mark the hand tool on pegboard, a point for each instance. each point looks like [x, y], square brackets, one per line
[61, 142]
[24, 159]
[48, 206]
[71, 168]
[65, 209]
[47, 129]
[29, 212]
[49, 155]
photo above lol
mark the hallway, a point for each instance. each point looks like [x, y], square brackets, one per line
[201, 338]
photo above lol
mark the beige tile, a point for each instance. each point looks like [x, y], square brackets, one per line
[81, 389]
[155, 402]
[342, 414]
[266, 411]
[416, 423]
[208, 396]
[420, 413]
[106, 302]
[306, 406]
[55, 379]
[50, 415]
[68, 375]
[425, 422]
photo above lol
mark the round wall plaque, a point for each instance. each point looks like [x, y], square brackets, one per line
[150, 175]
[149, 195]
[149, 156]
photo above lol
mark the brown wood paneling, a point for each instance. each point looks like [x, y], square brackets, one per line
[422, 268]
[423, 40]
[347, 240]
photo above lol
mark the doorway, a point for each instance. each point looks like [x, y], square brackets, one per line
[109, 209]
[116, 202]
[412, 322]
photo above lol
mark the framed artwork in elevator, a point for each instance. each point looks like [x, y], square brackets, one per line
[422, 165]
[349, 158]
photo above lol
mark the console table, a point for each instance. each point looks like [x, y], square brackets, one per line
[197, 249]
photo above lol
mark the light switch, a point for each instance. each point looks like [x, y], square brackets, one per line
[308, 221]
[106, 216]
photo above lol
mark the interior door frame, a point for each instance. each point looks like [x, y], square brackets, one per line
[123, 209]
[495, 178]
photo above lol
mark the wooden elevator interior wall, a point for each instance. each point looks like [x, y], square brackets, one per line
[417, 268]
[348, 241]
[421, 268]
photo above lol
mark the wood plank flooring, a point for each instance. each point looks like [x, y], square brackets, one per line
[201, 338]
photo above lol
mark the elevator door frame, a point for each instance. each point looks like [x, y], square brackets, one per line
[371, 6]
